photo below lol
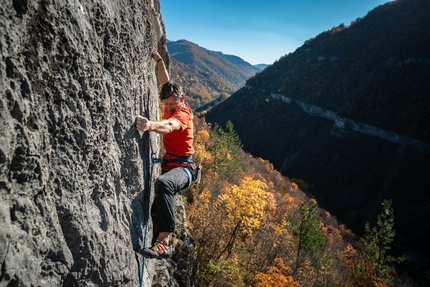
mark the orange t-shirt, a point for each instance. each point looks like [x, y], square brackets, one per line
[180, 142]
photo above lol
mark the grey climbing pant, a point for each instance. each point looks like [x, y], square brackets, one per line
[166, 186]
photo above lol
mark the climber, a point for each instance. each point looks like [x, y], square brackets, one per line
[176, 129]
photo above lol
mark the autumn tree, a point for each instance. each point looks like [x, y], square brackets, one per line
[244, 207]
[276, 276]
[222, 209]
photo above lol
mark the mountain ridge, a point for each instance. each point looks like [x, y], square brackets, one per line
[367, 66]
[261, 66]
[207, 76]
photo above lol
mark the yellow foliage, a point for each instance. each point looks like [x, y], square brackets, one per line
[245, 203]
[200, 153]
[281, 227]
[203, 156]
[205, 196]
[202, 137]
[228, 156]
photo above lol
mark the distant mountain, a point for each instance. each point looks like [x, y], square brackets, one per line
[261, 66]
[207, 76]
[349, 113]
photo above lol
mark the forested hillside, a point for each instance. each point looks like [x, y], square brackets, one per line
[376, 72]
[253, 227]
[208, 77]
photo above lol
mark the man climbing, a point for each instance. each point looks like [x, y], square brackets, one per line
[176, 128]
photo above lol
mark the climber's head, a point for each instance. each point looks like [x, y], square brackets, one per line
[172, 96]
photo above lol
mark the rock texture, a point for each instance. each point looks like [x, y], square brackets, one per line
[73, 169]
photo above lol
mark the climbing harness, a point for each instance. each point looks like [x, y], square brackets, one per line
[192, 169]
[154, 161]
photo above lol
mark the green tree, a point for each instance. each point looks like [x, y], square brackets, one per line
[374, 264]
[226, 149]
[307, 229]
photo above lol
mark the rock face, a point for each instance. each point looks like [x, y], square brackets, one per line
[73, 169]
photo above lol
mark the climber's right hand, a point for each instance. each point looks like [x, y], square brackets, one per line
[142, 123]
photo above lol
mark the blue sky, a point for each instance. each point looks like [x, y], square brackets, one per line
[258, 31]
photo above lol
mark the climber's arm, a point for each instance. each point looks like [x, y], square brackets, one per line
[163, 76]
[161, 127]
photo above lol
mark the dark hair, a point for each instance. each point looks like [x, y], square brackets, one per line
[171, 88]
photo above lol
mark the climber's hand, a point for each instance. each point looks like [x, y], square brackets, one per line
[142, 123]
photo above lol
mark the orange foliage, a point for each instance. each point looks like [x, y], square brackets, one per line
[276, 276]
[200, 154]
[367, 279]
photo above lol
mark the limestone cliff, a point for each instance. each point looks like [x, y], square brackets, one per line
[73, 169]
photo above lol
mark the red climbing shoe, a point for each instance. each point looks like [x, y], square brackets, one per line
[158, 251]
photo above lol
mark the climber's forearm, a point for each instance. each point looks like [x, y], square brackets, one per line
[163, 76]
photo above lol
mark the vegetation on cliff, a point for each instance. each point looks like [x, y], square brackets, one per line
[253, 227]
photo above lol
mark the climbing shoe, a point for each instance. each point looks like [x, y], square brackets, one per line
[158, 251]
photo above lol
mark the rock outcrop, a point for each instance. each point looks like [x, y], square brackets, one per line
[73, 169]
[344, 123]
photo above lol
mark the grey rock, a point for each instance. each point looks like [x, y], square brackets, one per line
[74, 172]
